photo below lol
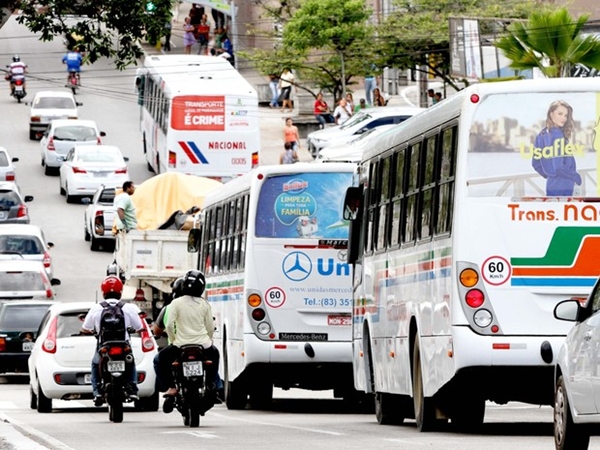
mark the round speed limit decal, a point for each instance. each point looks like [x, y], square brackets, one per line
[496, 270]
[275, 297]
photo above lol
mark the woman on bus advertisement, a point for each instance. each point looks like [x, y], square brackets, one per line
[303, 206]
[551, 156]
[547, 149]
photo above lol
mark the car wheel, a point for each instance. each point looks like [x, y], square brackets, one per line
[44, 404]
[567, 434]
[62, 190]
[47, 170]
[43, 163]
[32, 135]
[70, 198]
[32, 398]
[94, 244]
[86, 234]
[148, 403]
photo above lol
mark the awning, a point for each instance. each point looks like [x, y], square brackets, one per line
[220, 5]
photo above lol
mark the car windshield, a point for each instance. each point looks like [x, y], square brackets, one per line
[21, 281]
[54, 103]
[68, 324]
[3, 159]
[98, 157]
[22, 317]
[75, 133]
[355, 120]
[8, 199]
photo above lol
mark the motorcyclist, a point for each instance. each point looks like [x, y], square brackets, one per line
[73, 60]
[112, 289]
[16, 69]
[190, 321]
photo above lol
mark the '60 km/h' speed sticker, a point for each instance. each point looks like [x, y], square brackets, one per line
[496, 270]
[275, 297]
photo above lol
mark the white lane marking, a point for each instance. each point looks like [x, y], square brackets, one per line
[65, 404]
[26, 429]
[291, 427]
[199, 434]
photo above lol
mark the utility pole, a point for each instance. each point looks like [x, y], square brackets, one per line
[343, 75]
[422, 83]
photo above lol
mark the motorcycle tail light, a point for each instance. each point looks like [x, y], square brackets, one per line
[18, 82]
[49, 345]
[22, 211]
[10, 176]
[115, 350]
[51, 146]
[139, 295]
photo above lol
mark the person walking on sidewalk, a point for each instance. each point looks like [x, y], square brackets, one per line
[288, 155]
[286, 80]
[274, 85]
[188, 38]
[291, 134]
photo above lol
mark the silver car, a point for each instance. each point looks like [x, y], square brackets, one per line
[64, 134]
[25, 241]
[48, 106]
[12, 204]
[577, 373]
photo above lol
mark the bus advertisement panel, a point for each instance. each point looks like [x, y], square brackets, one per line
[213, 134]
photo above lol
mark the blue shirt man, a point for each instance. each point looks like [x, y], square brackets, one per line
[73, 61]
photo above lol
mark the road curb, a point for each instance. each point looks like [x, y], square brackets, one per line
[20, 436]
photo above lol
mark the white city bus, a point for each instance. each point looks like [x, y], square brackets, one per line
[273, 249]
[461, 249]
[198, 116]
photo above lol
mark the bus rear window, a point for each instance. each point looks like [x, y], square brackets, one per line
[303, 205]
[539, 144]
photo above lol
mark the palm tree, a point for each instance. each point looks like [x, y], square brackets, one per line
[552, 41]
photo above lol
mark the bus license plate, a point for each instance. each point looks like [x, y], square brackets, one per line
[116, 366]
[192, 369]
[27, 346]
[87, 378]
[340, 319]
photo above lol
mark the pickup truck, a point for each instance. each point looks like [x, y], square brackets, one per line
[98, 217]
[149, 261]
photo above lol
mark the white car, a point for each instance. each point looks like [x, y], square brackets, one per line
[48, 106]
[7, 169]
[353, 150]
[27, 242]
[87, 167]
[21, 279]
[62, 135]
[99, 216]
[577, 378]
[362, 121]
[60, 362]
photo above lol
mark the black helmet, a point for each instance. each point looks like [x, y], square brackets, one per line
[177, 288]
[193, 283]
[16, 58]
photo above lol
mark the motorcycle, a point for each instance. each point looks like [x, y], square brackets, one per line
[18, 84]
[73, 81]
[193, 398]
[116, 362]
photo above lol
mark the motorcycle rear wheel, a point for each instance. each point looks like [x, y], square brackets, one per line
[115, 405]
[194, 414]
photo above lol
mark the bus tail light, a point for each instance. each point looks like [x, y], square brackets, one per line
[258, 314]
[469, 278]
[254, 300]
[172, 160]
[474, 298]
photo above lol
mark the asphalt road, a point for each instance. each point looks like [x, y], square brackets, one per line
[297, 420]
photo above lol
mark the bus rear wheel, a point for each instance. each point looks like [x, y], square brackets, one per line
[424, 406]
[235, 394]
[387, 410]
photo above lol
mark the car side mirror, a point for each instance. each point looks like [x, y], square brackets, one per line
[28, 198]
[86, 200]
[55, 282]
[79, 103]
[15, 159]
[50, 244]
[569, 310]
[126, 158]
[102, 134]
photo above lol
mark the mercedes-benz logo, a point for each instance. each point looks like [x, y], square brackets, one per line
[297, 266]
[343, 255]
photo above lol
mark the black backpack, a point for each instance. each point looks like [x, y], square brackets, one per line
[112, 322]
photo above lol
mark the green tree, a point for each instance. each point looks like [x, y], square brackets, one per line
[552, 42]
[327, 42]
[416, 29]
[107, 28]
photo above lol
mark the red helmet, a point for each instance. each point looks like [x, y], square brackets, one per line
[112, 287]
